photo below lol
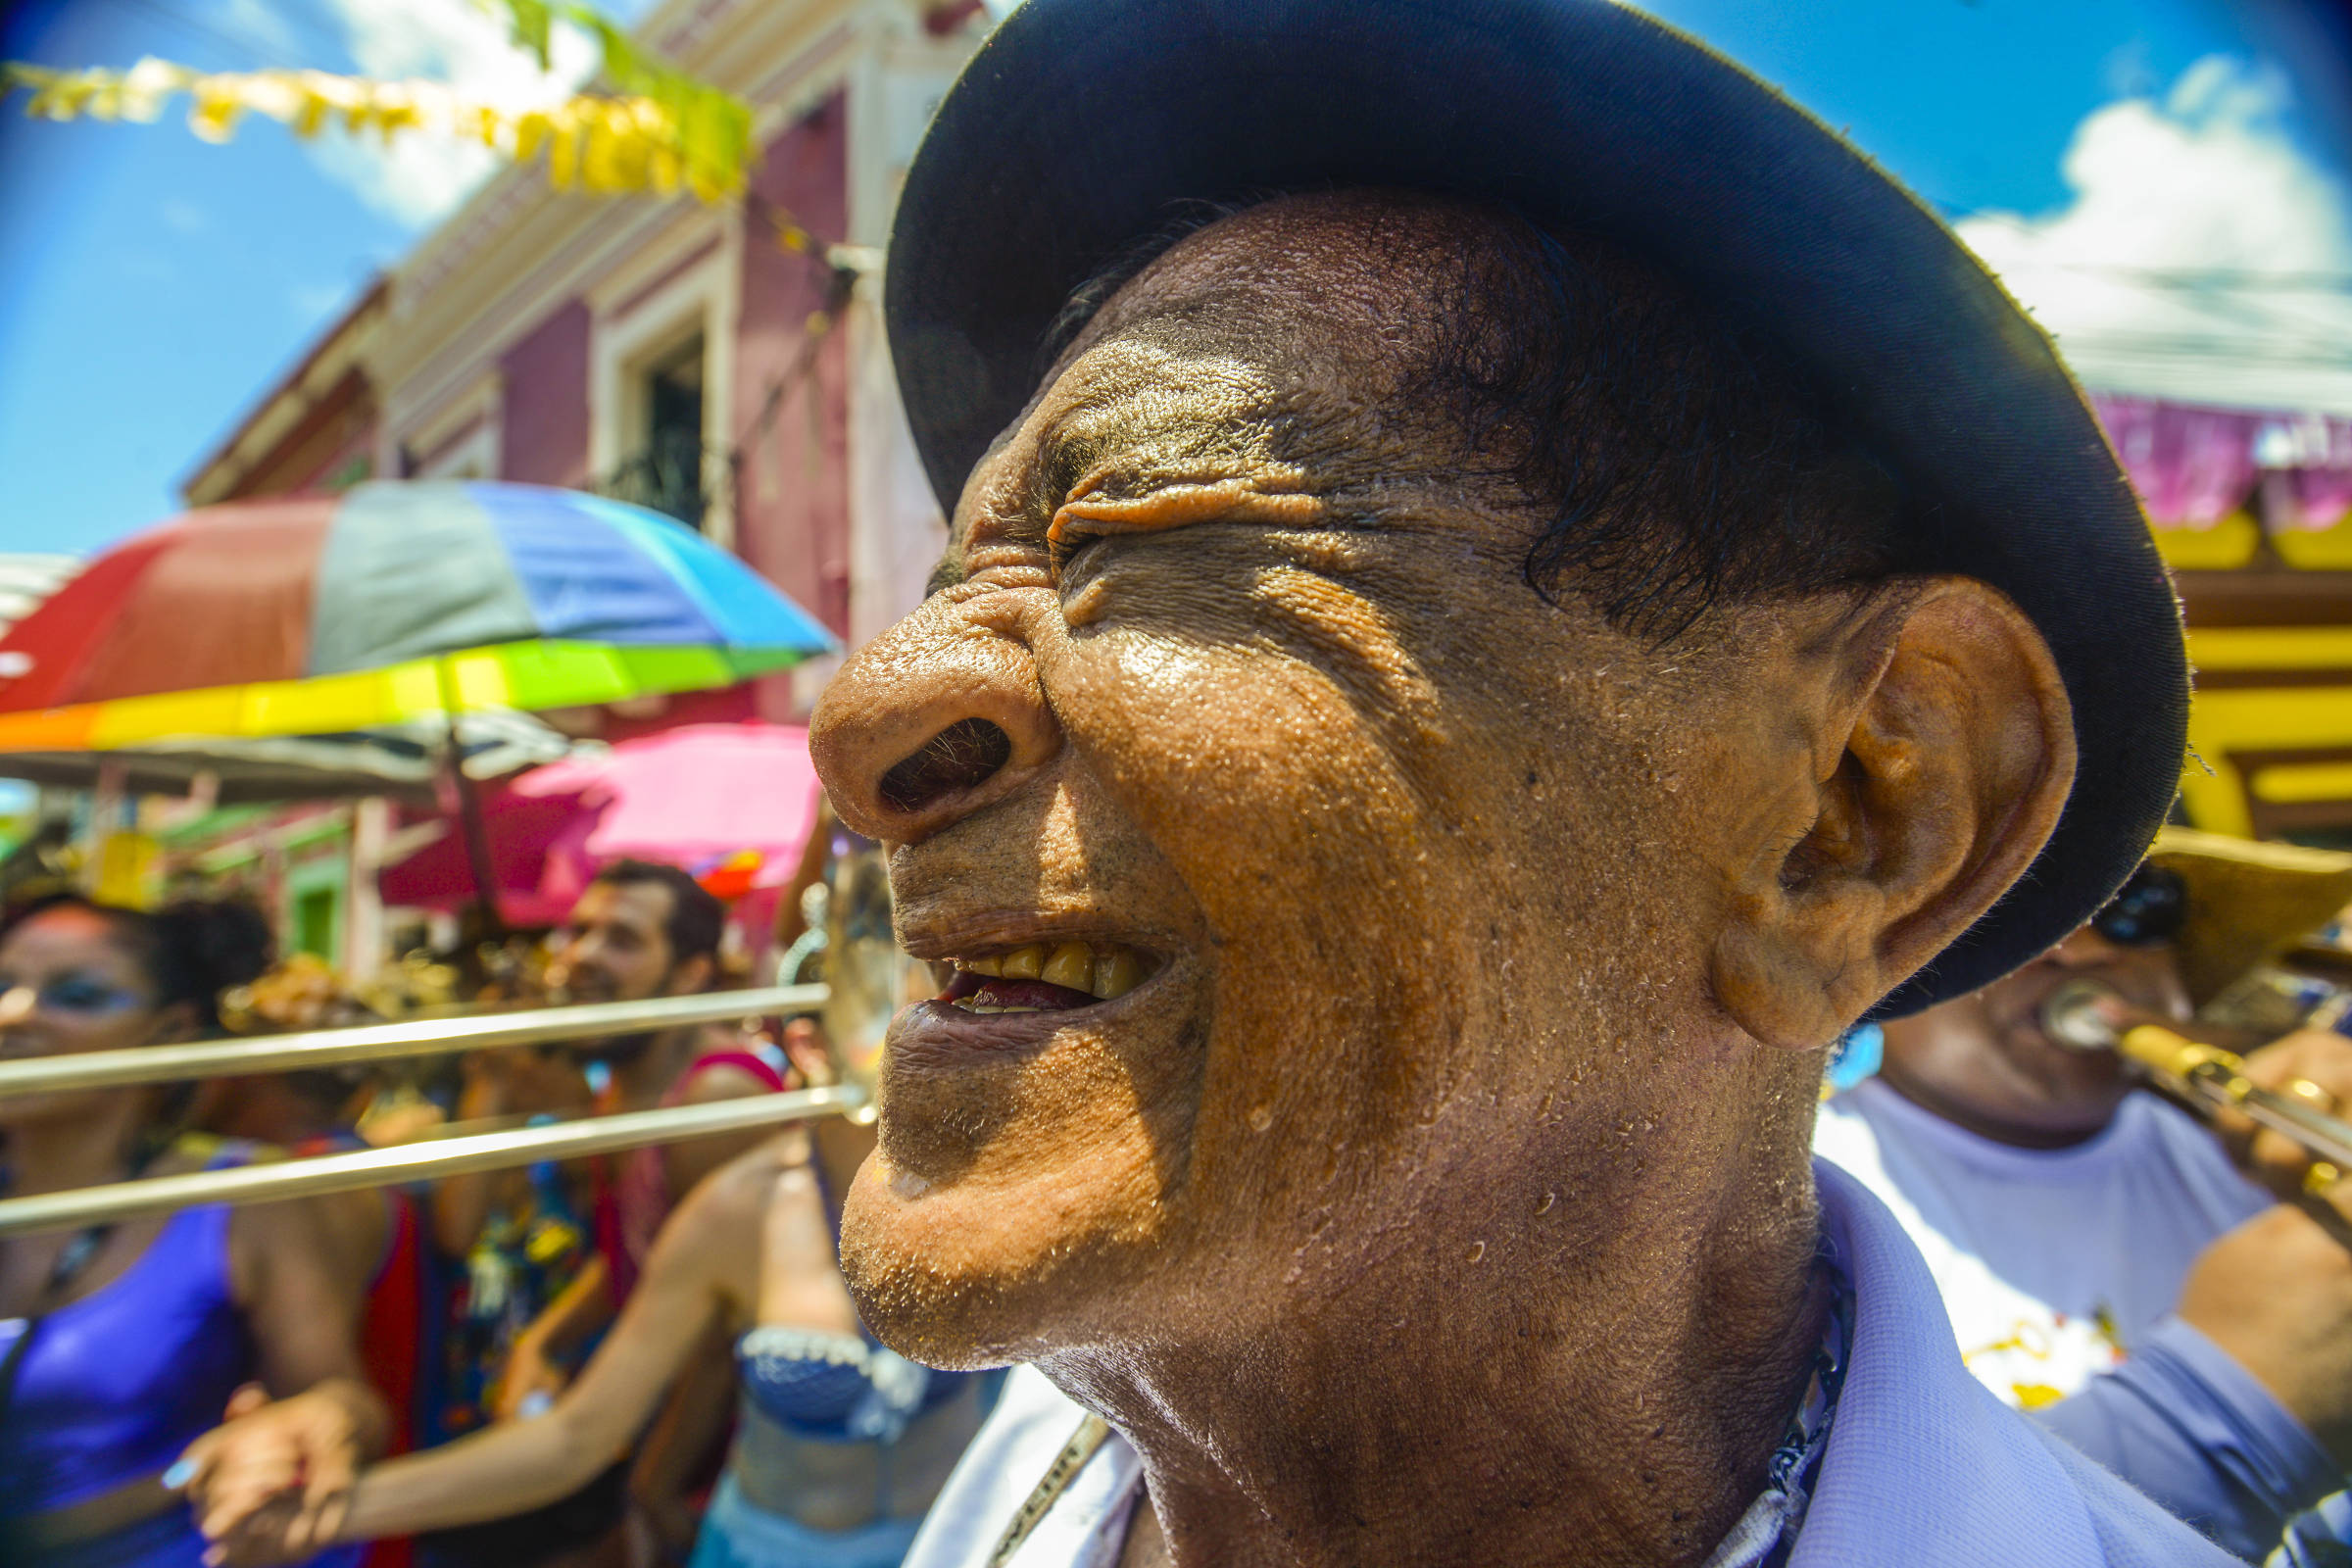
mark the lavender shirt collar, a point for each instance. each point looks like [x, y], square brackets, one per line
[1925, 1468]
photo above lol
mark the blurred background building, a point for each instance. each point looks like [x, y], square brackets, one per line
[724, 365]
[2253, 510]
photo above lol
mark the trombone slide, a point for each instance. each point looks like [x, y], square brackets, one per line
[390, 1042]
[2086, 1015]
[427, 1160]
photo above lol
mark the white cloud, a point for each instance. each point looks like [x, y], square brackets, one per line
[2144, 277]
[423, 174]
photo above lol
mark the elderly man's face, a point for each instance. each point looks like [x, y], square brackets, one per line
[1415, 874]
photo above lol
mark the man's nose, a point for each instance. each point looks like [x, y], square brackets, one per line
[933, 720]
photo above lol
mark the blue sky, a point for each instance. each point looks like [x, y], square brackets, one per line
[1971, 104]
[153, 285]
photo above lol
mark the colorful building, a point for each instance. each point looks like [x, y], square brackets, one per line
[725, 364]
[315, 429]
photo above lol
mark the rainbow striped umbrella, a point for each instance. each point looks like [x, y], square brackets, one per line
[388, 603]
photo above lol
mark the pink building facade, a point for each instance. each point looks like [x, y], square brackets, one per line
[723, 364]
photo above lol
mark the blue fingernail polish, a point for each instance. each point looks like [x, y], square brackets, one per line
[179, 1474]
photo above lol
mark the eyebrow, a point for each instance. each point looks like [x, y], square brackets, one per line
[1075, 441]
[1055, 464]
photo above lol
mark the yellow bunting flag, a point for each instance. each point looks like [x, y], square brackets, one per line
[663, 130]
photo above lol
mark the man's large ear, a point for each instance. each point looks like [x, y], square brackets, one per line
[1934, 754]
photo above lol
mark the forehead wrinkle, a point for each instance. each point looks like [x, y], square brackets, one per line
[1145, 412]
[1108, 390]
[1327, 302]
[1368, 261]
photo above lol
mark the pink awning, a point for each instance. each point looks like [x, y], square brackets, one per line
[694, 797]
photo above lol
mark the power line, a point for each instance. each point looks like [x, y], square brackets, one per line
[2254, 311]
[2189, 278]
[2172, 345]
[323, 33]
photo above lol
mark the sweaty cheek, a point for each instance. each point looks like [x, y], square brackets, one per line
[1273, 791]
[1253, 774]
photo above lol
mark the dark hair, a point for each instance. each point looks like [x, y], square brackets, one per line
[697, 919]
[190, 951]
[1679, 460]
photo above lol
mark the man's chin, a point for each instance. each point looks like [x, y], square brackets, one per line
[976, 1273]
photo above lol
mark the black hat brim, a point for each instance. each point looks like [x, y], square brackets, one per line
[1081, 125]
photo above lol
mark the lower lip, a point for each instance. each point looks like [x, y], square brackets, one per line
[938, 1036]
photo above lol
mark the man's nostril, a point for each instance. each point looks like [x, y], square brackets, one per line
[961, 757]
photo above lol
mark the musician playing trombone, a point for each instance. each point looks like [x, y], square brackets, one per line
[2107, 1261]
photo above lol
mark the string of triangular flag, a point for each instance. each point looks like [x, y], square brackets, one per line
[661, 132]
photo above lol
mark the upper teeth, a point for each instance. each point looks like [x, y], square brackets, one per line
[1106, 972]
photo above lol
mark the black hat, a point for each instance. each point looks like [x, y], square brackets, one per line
[1082, 125]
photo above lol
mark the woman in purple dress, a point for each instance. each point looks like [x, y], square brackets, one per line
[120, 1343]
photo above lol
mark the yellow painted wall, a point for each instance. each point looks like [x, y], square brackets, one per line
[2225, 547]
[2263, 719]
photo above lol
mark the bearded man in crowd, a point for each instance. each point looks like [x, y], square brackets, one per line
[1554, 591]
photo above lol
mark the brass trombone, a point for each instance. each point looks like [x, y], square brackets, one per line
[873, 980]
[392, 1041]
[2086, 1015]
[418, 1162]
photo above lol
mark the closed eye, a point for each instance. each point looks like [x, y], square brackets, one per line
[1065, 545]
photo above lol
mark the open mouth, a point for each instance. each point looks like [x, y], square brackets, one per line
[1045, 977]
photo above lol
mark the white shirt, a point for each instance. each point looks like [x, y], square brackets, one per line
[1922, 1467]
[1012, 1453]
[2052, 1262]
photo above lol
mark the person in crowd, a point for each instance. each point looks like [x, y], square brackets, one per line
[1466, 657]
[119, 1344]
[640, 930]
[839, 1448]
[306, 1112]
[517, 1238]
[553, 1254]
[2080, 1225]
[797, 916]
[313, 1112]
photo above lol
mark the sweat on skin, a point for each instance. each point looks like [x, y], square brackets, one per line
[1440, 1193]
